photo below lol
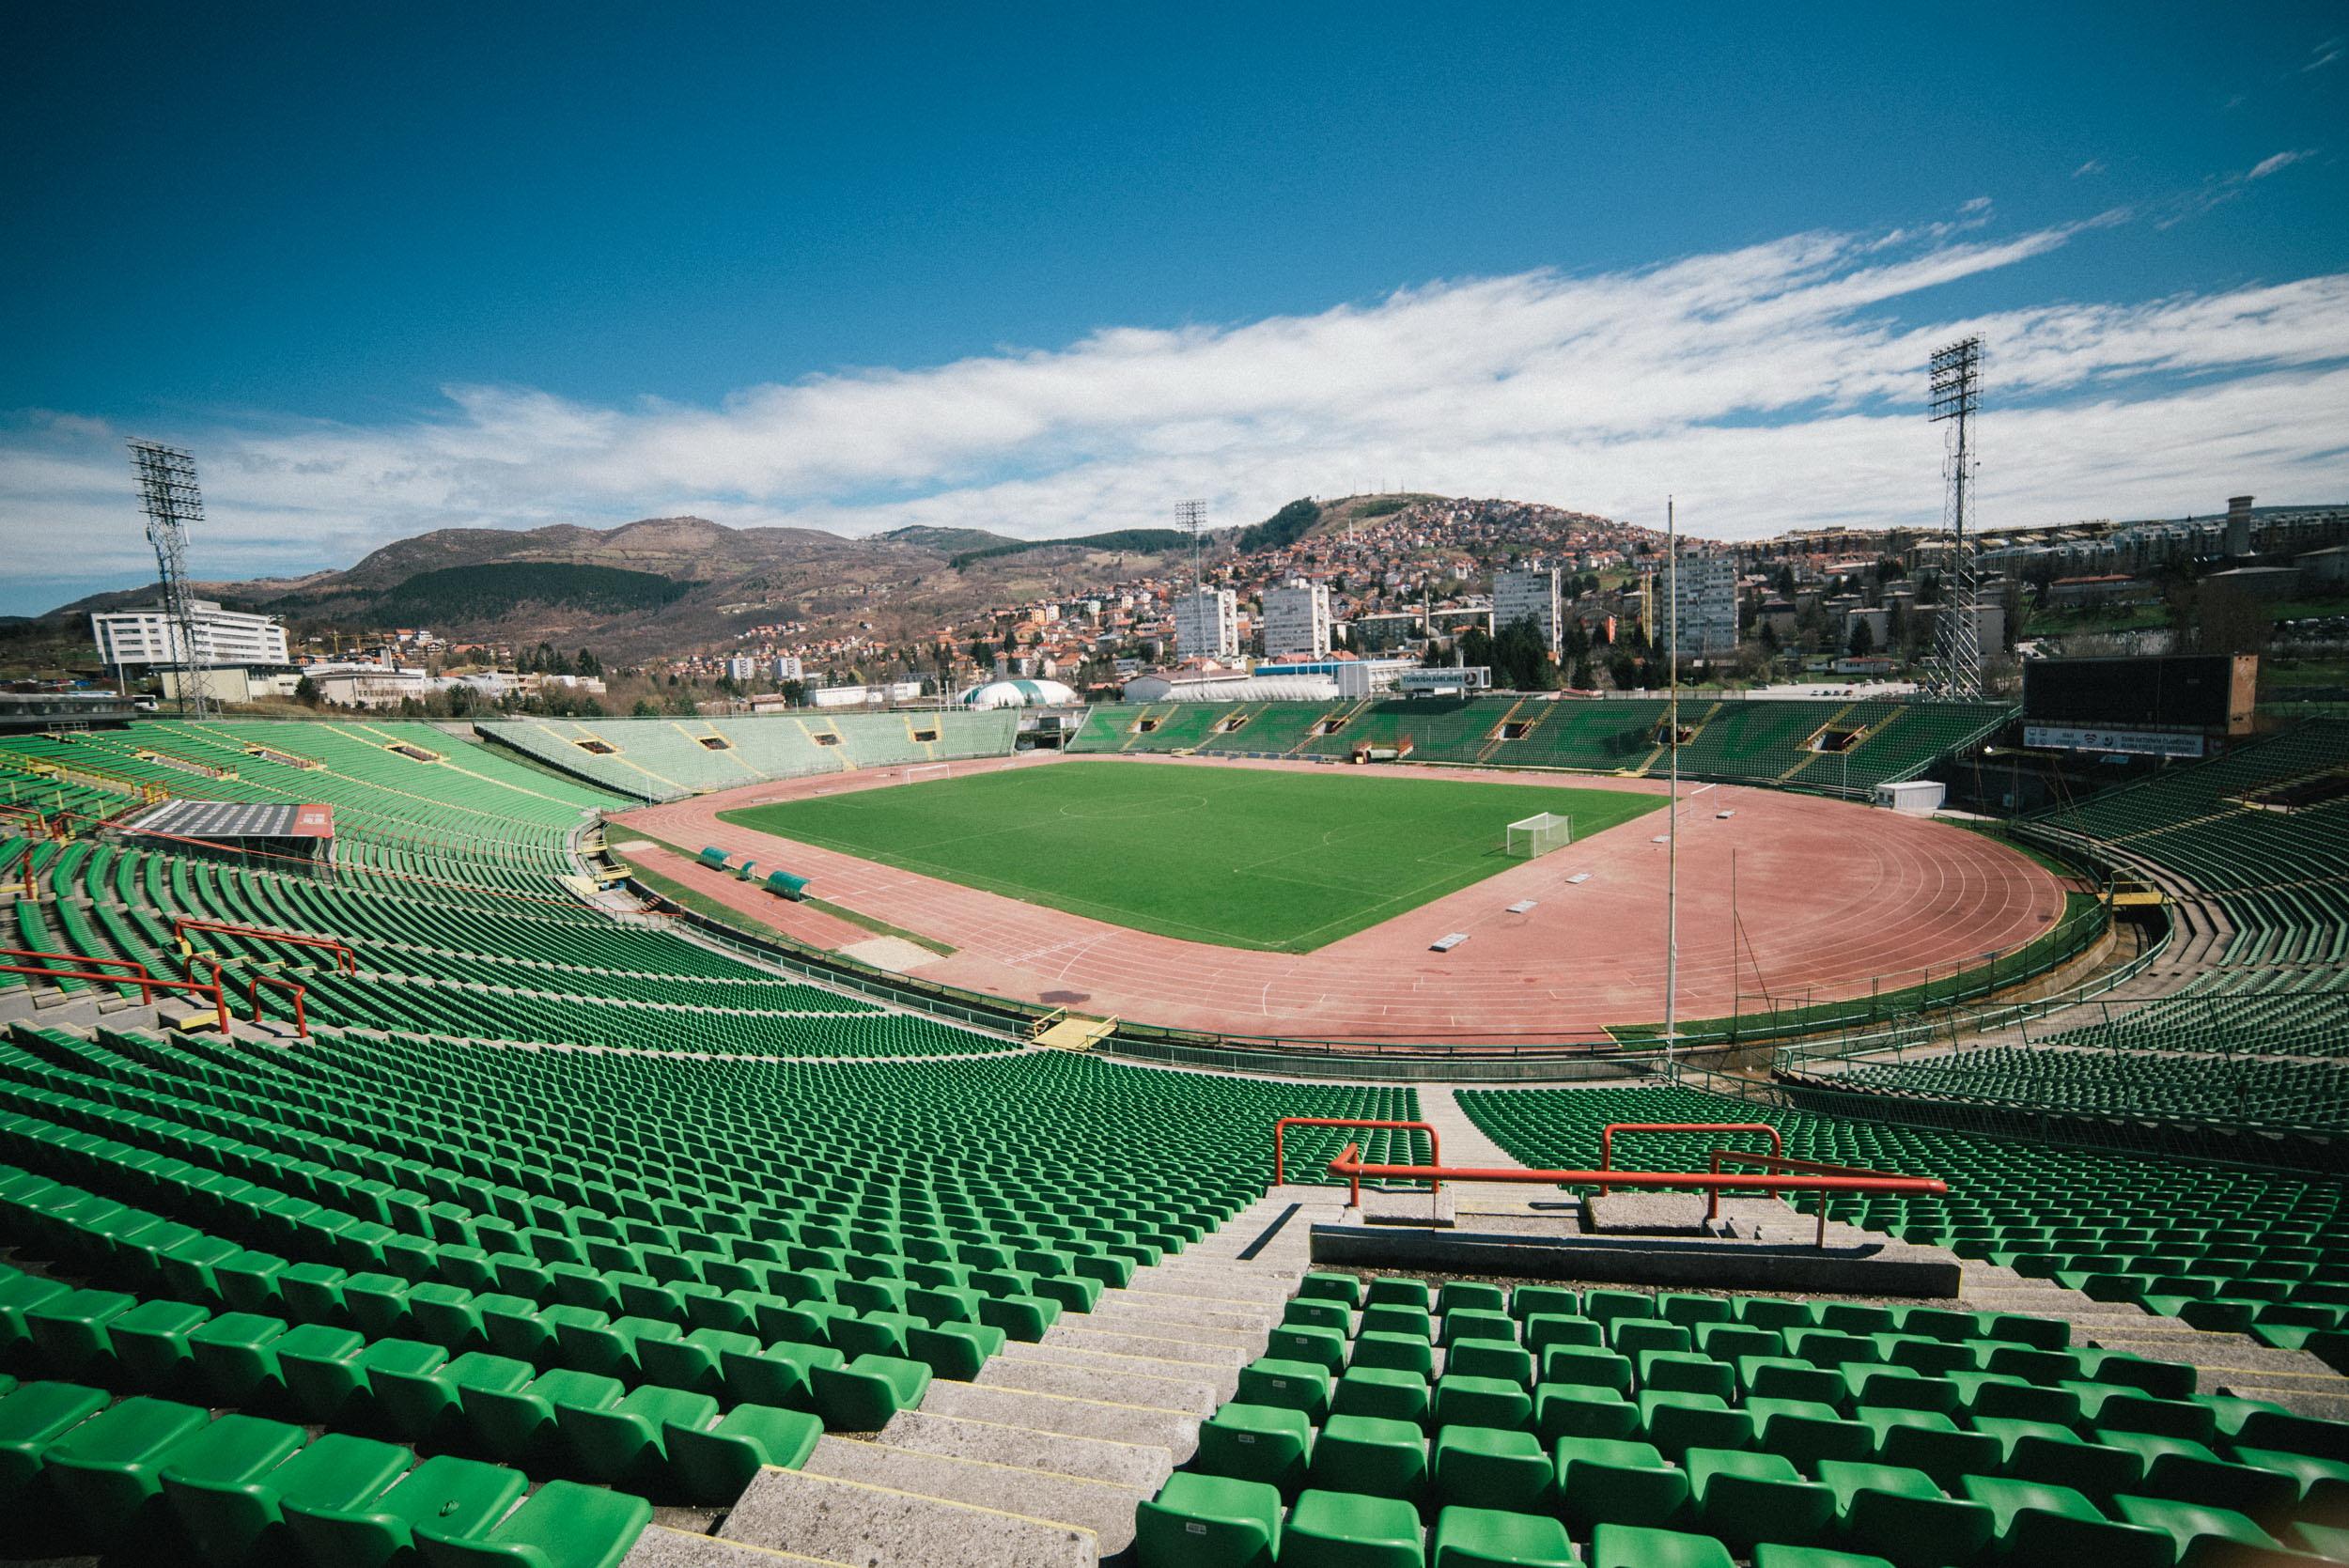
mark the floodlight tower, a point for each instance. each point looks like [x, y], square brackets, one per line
[1956, 394]
[1189, 514]
[167, 493]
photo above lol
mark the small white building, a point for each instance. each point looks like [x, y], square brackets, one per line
[148, 636]
[1021, 694]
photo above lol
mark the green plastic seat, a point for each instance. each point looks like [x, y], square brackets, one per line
[151, 1343]
[1339, 1529]
[861, 1396]
[2199, 1533]
[1206, 1521]
[712, 1464]
[109, 1467]
[1369, 1456]
[1574, 1410]
[1307, 1311]
[1685, 1372]
[777, 1374]
[958, 1351]
[1504, 1360]
[1598, 1368]
[1397, 1352]
[515, 1424]
[692, 1362]
[213, 1482]
[242, 1514]
[1639, 1546]
[1778, 1555]
[320, 1365]
[1677, 1422]
[1394, 1318]
[623, 1443]
[1462, 1400]
[420, 1406]
[1389, 1291]
[1609, 1480]
[1745, 1498]
[1544, 1329]
[1901, 1513]
[562, 1525]
[68, 1330]
[1292, 1385]
[2048, 1527]
[456, 1496]
[1322, 1347]
[1402, 1396]
[1258, 1442]
[1484, 1468]
[1477, 1323]
[32, 1418]
[1486, 1538]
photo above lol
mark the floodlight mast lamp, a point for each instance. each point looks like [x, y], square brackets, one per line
[169, 497]
[1189, 514]
[1956, 398]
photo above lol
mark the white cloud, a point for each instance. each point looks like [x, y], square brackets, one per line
[2269, 165]
[2094, 165]
[1772, 386]
[2326, 53]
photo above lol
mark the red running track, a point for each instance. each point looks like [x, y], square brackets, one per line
[1834, 898]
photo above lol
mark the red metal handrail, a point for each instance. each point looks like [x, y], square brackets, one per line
[253, 997]
[138, 975]
[220, 1000]
[181, 924]
[1607, 1136]
[1280, 1165]
[1348, 1164]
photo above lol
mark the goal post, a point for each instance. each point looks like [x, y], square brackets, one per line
[920, 770]
[1538, 835]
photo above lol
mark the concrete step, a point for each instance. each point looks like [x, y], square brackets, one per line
[1224, 1353]
[1170, 1326]
[1104, 1508]
[662, 1546]
[1191, 1398]
[1224, 1381]
[1103, 1421]
[879, 1526]
[1126, 1310]
[1137, 1464]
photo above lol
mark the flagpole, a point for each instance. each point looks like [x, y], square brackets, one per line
[1672, 826]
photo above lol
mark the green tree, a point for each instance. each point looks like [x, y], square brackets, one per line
[1864, 642]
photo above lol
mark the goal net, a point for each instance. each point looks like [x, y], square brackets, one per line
[1539, 836]
[921, 771]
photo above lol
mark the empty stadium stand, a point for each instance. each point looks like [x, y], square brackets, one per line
[1822, 745]
[665, 759]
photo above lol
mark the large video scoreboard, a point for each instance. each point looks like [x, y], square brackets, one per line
[2166, 706]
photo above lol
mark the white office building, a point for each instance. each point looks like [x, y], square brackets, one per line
[1528, 596]
[786, 666]
[1297, 621]
[1708, 607]
[148, 636]
[741, 667]
[1206, 624]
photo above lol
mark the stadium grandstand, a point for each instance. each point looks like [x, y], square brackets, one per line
[1836, 747]
[438, 1198]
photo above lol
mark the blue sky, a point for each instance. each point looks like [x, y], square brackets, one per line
[1048, 269]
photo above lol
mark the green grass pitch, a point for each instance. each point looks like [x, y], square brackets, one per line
[1242, 857]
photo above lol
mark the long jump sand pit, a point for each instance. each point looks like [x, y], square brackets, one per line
[1833, 899]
